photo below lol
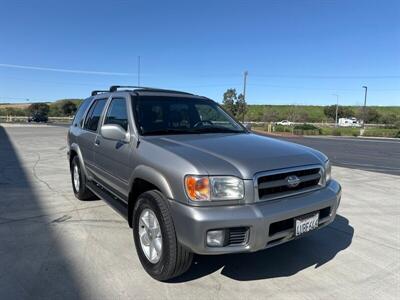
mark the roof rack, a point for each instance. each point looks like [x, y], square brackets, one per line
[94, 93]
[114, 88]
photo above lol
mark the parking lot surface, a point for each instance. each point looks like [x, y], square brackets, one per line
[53, 246]
[370, 154]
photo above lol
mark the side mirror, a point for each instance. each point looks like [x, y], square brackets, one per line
[114, 132]
[247, 126]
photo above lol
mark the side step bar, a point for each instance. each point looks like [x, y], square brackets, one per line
[117, 204]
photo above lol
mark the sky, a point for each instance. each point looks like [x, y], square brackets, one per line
[296, 52]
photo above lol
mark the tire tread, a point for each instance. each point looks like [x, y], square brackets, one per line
[180, 259]
[84, 193]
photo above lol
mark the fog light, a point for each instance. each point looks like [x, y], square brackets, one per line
[215, 238]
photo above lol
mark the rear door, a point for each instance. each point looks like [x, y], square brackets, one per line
[89, 133]
[76, 127]
[113, 158]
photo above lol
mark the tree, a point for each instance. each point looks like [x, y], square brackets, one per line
[41, 109]
[229, 101]
[303, 116]
[389, 118]
[255, 113]
[293, 114]
[371, 115]
[343, 112]
[235, 104]
[270, 115]
[241, 107]
[68, 108]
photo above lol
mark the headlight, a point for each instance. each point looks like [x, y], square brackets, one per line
[226, 188]
[327, 171]
[206, 188]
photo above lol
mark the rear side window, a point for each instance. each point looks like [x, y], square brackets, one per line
[117, 114]
[94, 114]
[78, 120]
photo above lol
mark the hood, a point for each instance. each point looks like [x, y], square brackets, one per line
[240, 155]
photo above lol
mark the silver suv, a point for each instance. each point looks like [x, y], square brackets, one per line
[191, 179]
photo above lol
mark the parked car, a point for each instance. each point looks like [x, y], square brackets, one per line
[38, 118]
[284, 123]
[190, 179]
[349, 122]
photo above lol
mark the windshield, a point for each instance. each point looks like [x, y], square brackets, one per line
[170, 115]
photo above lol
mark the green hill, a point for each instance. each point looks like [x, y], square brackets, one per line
[315, 113]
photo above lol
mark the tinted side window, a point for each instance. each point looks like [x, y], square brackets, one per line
[80, 112]
[117, 114]
[94, 114]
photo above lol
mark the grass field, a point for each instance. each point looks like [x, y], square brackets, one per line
[14, 105]
[310, 113]
[332, 131]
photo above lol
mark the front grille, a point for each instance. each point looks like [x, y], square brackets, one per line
[237, 236]
[272, 185]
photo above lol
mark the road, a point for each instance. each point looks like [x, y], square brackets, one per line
[377, 155]
[53, 246]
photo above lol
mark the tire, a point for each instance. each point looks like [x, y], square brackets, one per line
[80, 189]
[174, 259]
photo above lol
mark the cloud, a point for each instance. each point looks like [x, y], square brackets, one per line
[66, 70]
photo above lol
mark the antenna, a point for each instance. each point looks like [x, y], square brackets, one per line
[138, 76]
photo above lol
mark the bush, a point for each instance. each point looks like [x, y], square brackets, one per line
[340, 131]
[307, 132]
[381, 132]
[281, 128]
[306, 127]
[397, 135]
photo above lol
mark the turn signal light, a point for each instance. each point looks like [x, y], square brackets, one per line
[197, 188]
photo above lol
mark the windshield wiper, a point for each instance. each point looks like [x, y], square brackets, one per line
[191, 131]
[168, 131]
[216, 130]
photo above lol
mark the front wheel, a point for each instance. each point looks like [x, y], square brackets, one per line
[154, 234]
[78, 179]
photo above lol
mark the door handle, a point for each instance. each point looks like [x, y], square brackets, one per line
[97, 142]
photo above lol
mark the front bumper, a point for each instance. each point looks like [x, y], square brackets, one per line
[192, 223]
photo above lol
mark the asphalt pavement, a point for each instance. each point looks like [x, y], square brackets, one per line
[53, 246]
[376, 155]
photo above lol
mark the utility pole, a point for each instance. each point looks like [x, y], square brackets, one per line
[365, 105]
[337, 107]
[138, 72]
[244, 88]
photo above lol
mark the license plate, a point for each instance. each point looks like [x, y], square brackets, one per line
[306, 223]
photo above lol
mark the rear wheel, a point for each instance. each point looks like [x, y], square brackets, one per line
[159, 252]
[78, 179]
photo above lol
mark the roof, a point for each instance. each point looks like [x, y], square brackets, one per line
[138, 89]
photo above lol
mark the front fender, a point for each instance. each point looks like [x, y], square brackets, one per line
[153, 176]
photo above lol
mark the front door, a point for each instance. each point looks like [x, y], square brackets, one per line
[113, 158]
